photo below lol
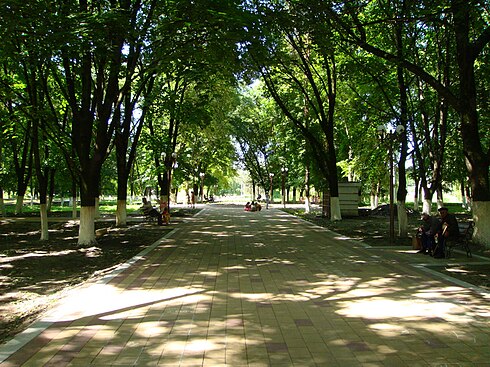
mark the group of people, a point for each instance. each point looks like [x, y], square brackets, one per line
[253, 206]
[434, 232]
[162, 215]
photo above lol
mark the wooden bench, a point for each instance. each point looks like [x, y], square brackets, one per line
[463, 241]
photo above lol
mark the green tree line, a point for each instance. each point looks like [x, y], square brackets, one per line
[94, 90]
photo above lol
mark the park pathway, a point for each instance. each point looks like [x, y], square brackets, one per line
[235, 288]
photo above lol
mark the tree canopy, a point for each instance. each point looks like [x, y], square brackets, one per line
[114, 96]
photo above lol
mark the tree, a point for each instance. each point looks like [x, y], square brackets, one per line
[253, 130]
[92, 57]
[471, 35]
[298, 66]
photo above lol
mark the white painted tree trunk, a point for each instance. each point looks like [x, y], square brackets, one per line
[374, 201]
[86, 233]
[307, 204]
[74, 213]
[427, 206]
[121, 213]
[416, 204]
[335, 213]
[440, 203]
[19, 204]
[481, 216]
[402, 219]
[43, 211]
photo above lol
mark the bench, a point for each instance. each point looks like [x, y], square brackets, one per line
[147, 217]
[463, 241]
[152, 218]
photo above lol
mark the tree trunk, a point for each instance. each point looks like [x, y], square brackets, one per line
[43, 211]
[463, 196]
[440, 197]
[121, 213]
[335, 213]
[74, 212]
[427, 201]
[42, 179]
[97, 207]
[122, 193]
[481, 209]
[23, 169]
[427, 206]
[402, 219]
[164, 182]
[19, 204]
[86, 233]
[307, 190]
[416, 197]
[468, 198]
[89, 191]
[52, 173]
[401, 194]
[3, 212]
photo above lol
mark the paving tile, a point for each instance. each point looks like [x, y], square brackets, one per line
[291, 295]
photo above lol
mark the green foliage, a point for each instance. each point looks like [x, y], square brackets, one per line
[196, 51]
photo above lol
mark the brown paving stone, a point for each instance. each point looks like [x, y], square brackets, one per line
[263, 305]
[357, 346]
[303, 322]
[330, 325]
[435, 343]
[276, 347]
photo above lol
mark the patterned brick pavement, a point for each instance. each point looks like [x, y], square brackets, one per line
[235, 288]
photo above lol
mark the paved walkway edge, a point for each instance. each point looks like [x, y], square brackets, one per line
[423, 267]
[427, 268]
[37, 327]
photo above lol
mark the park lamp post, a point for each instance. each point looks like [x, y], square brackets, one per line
[201, 175]
[284, 172]
[271, 176]
[389, 136]
[172, 160]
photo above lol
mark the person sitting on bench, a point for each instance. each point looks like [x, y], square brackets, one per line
[449, 230]
[150, 211]
[428, 231]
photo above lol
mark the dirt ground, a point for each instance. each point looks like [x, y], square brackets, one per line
[34, 274]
